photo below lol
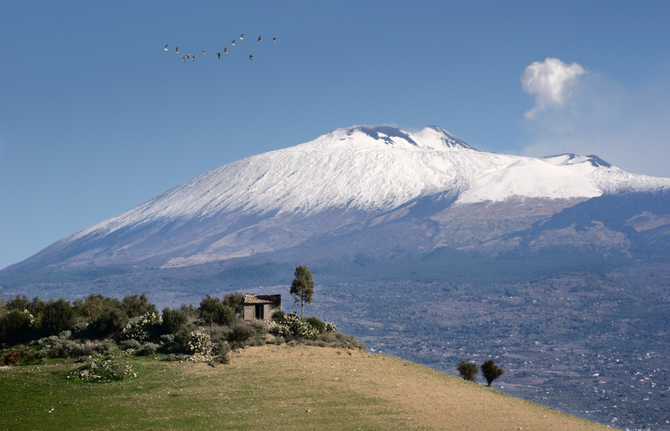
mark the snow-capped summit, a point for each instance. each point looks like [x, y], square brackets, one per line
[434, 137]
[431, 137]
[338, 183]
[362, 168]
[574, 159]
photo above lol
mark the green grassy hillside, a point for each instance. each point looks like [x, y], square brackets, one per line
[269, 387]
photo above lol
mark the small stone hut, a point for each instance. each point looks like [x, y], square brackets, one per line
[260, 307]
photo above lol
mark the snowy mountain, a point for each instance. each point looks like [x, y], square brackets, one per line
[359, 190]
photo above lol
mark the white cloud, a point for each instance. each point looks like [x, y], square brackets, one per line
[550, 81]
[626, 127]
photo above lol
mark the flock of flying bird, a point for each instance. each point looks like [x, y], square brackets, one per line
[225, 50]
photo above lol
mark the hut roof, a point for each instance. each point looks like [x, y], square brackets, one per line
[261, 299]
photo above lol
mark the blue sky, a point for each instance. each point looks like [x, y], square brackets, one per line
[96, 118]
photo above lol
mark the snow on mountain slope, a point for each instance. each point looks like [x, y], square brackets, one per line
[374, 169]
[605, 177]
[367, 169]
[564, 176]
[533, 178]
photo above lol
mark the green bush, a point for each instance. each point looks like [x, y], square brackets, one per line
[468, 370]
[173, 319]
[182, 336]
[221, 352]
[111, 321]
[57, 317]
[94, 305]
[191, 341]
[198, 342]
[213, 310]
[132, 343]
[260, 328]
[220, 360]
[107, 346]
[144, 327]
[321, 325]
[16, 326]
[221, 348]
[342, 341]
[226, 316]
[291, 327]
[150, 348]
[190, 310]
[69, 349]
[256, 341]
[219, 333]
[316, 323]
[241, 334]
[234, 300]
[103, 371]
[209, 307]
[278, 316]
[20, 302]
[137, 305]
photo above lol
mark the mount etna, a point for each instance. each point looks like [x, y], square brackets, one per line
[424, 247]
[378, 192]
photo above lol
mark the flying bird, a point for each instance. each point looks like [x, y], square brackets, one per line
[188, 55]
[193, 57]
[219, 54]
[184, 58]
[203, 53]
[165, 48]
[274, 39]
[259, 38]
[233, 43]
[176, 51]
[250, 57]
[225, 50]
[242, 36]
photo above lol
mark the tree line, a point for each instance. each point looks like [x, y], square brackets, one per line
[32, 329]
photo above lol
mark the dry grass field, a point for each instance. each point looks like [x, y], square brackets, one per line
[317, 388]
[269, 388]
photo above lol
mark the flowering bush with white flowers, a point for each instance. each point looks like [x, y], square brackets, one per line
[30, 316]
[138, 329]
[102, 371]
[198, 343]
[291, 327]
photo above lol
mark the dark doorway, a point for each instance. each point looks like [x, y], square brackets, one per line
[260, 311]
